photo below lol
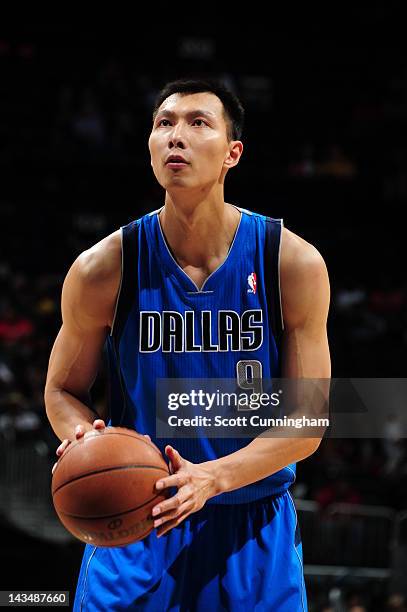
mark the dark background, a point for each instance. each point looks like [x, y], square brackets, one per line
[325, 148]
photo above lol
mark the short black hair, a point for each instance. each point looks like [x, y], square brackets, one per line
[233, 109]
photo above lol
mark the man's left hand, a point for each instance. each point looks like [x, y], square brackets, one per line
[196, 484]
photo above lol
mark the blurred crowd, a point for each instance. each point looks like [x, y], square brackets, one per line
[323, 149]
[88, 143]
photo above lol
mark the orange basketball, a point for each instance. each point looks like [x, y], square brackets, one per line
[103, 486]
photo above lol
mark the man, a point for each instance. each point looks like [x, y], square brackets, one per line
[160, 287]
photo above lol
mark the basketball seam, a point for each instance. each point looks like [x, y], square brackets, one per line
[109, 469]
[116, 433]
[106, 516]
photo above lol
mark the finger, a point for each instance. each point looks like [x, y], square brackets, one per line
[54, 467]
[170, 516]
[162, 512]
[175, 480]
[174, 503]
[79, 431]
[174, 457]
[165, 528]
[62, 447]
[99, 424]
[147, 436]
[91, 433]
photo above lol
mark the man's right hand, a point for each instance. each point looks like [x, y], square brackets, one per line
[80, 432]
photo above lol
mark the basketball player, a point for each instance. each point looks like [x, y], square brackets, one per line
[193, 289]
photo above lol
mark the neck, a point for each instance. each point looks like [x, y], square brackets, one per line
[199, 231]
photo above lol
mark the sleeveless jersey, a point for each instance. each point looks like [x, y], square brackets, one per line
[165, 327]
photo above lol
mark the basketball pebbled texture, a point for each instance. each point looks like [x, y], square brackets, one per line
[103, 486]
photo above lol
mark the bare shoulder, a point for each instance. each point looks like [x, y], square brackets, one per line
[305, 291]
[299, 257]
[102, 261]
[92, 283]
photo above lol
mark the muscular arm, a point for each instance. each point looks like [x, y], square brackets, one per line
[88, 301]
[305, 301]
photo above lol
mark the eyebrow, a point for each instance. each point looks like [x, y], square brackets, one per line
[192, 113]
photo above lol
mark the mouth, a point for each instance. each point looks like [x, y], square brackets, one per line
[176, 161]
[176, 165]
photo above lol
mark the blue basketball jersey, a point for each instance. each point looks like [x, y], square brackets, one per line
[165, 327]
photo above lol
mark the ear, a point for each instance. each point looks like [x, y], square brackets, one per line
[234, 154]
[149, 150]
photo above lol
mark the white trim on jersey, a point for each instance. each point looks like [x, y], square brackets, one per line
[120, 286]
[153, 212]
[298, 555]
[223, 262]
[279, 283]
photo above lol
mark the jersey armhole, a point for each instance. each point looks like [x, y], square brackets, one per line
[128, 288]
[279, 275]
[120, 286]
[272, 256]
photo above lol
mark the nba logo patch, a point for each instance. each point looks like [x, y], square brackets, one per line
[252, 282]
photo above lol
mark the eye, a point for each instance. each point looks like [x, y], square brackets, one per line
[161, 120]
[201, 120]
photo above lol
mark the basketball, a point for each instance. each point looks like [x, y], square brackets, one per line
[103, 486]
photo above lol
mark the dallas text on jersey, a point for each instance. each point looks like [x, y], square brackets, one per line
[171, 331]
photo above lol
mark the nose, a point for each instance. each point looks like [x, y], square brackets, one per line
[177, 137]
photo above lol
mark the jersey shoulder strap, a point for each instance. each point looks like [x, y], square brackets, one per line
[128, 289]
[272, 251]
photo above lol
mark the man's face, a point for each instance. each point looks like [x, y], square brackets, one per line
[193, 127]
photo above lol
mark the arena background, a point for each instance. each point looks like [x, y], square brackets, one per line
[325, 148]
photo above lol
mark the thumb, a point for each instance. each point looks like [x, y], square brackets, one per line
[174, 456]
